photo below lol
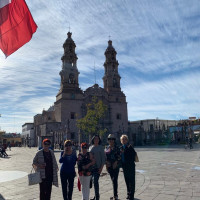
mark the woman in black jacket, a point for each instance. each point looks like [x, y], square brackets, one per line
[128, 165]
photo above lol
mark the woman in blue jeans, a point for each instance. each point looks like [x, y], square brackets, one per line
[67, 171]
[99, 156]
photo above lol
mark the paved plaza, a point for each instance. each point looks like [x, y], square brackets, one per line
[163, 173]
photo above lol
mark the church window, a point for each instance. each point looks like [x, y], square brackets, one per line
[71, 79]
[72, 135]
[73, 116]
[70, 48]
[113, 56]
[119, 116]
[114, 82]
[117, 99]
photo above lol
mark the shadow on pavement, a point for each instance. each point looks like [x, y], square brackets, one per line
[169, 148]
[1, 197]
[7, 157]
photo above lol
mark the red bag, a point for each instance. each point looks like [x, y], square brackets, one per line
[79, 184]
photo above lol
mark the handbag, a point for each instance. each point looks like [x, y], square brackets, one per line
[136, 157]
[34, 178]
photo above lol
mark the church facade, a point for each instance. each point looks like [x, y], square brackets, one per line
[59, 121]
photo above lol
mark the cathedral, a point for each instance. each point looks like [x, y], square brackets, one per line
[59, 122]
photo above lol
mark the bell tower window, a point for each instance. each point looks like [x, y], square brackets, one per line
[71, 79]
[114, 82]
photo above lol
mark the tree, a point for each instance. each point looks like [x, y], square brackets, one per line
[92, 123]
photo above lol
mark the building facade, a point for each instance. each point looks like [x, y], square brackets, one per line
[150, 131]
[59, 121]
[12, 139]
[28, 135]
[1, 136]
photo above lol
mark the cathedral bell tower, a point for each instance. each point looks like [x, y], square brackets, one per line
[69, 73]
[117, 99]
[111, 77]
[70, 96]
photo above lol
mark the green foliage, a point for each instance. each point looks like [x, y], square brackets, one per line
[91, 124]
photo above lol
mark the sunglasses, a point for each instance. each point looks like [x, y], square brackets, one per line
[68, 145]
[47, 144]
[84, 147]
[111, 139]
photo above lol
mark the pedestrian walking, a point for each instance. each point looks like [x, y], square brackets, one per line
[67, 171]
[99, 156]
[60, 145]
[45, 163]
[85, 165]
[128, 165]
[73, 148]
[190, 142]
[113, 160]
[9, 146]
[79, 148]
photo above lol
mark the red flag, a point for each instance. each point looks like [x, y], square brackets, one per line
[16, 25]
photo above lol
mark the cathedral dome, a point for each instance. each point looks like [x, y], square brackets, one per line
[110, 48]
[95, 90]
[68, 40]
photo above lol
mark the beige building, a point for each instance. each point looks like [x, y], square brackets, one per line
[10, 138]
[1, 136]
[59, 122]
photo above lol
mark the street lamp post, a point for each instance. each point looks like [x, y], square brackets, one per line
[52, 134]
[79, 137]
[29, 142]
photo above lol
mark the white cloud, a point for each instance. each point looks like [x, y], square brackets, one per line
[166, 98]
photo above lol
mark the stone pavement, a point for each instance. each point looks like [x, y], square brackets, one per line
[163, 173]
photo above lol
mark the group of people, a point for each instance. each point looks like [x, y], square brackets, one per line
[3, 153]
[90, 162]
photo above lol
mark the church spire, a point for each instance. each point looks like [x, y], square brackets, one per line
[111, 76]
[69, 73]
[69, 58]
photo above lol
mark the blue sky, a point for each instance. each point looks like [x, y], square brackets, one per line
[158, 46]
